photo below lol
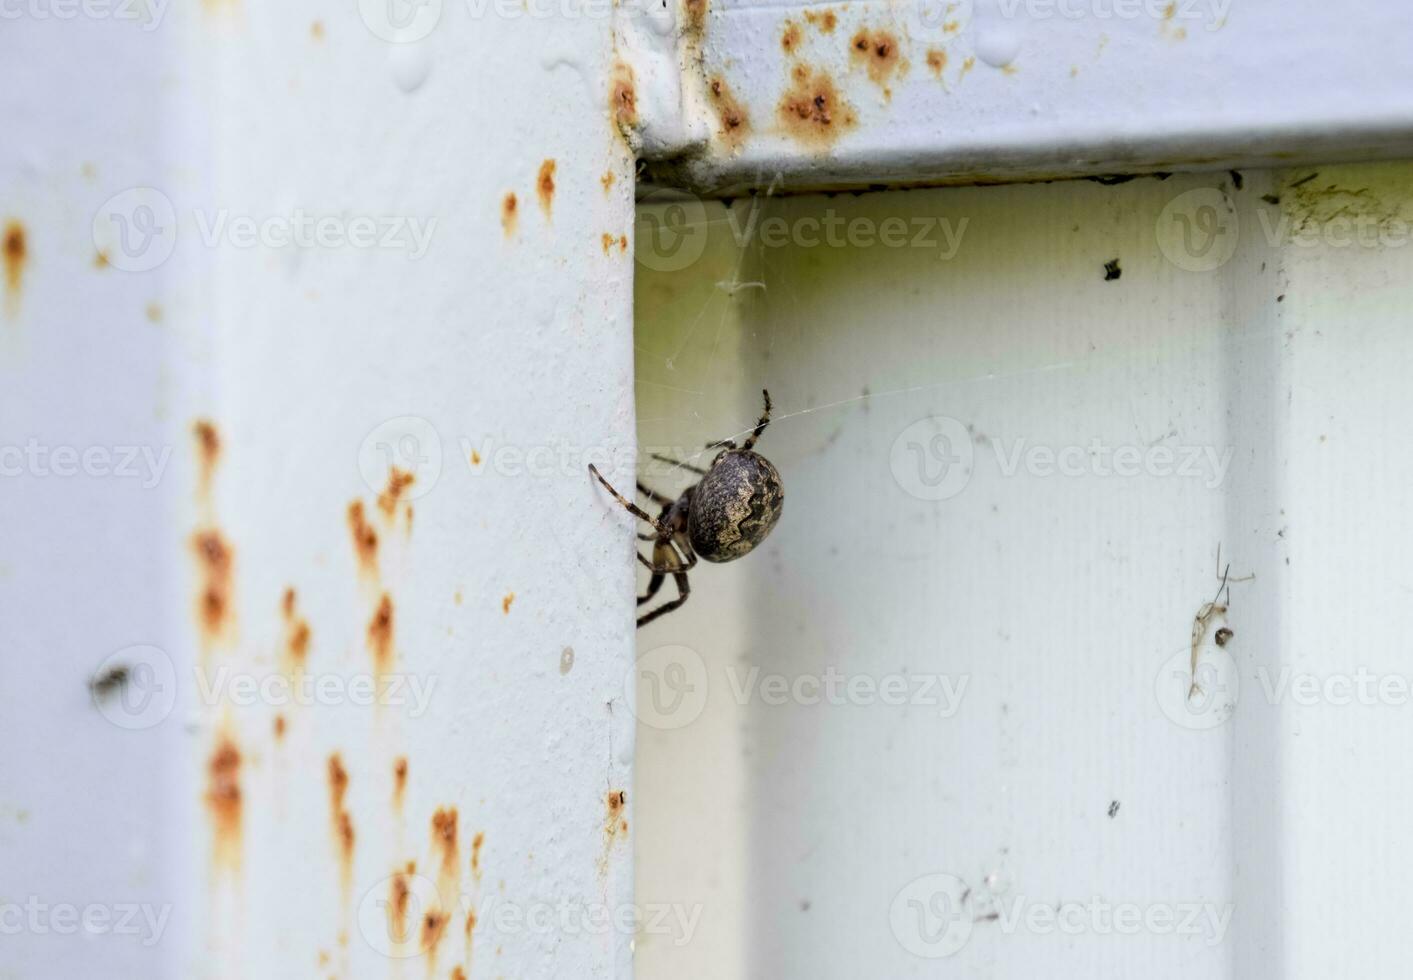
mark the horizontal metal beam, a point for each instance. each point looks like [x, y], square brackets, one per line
[819, 96]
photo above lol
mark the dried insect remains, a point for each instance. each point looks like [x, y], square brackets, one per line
[721, 517]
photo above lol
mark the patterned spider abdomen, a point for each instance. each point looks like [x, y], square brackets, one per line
[734, 506]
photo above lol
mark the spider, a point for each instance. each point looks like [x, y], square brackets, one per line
[719, 518]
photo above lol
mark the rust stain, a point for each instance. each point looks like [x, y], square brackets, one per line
[470, 930]
[342, 820]
[607, 180]
[400, 898]
[936, 60]
[696, 15]
[544, 186]
[509, 214]
[444, 838]
[824, 21]
[476, 844]
[16, 256]
[208, 452]
[215, 560]
[505, 603]
[398, 481]
[617, 802]
[790, 37]
[458, 974]
[879, 52]
[967, 66]
[365, 539]
[433, 925]
[154, 313]
[100, 259]
[475, 458]
[735, 124]
[623, 99]
[279, 727]
[316, 30]
[399, 780]
[607, 240]
[223, 799]
[812, 110]
[297, 633]
[380, 633]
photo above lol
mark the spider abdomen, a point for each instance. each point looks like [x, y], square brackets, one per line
[734, 506]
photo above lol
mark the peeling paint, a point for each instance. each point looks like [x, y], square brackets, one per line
[623, 99]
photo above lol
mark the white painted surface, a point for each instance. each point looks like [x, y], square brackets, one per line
[982, 90]
[1063, 603]
[297, 356]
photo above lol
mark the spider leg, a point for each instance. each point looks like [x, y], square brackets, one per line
[683, 590]
[760, 426]
[678, 462]
[654, 584]
[628, 505]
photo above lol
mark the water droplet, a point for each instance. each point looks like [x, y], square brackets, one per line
[410, 64]
[998, 46]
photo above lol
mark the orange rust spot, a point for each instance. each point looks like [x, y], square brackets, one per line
[607, 240]
[812, 110]
[936, 60]
[433, 925]
[458, 973]
[967, 66]
[279, 727]
[223, 798]
[316, 30]
[824, 21]
[622, 243]
[365, 539]
[400, 898]
[879, 52]
[208, 450]
[607, 180]
[444, 830]
[696, 15]
[297, 631]
[623, 99]
[100, 260]
[16, 253]
[154, 313]
[509, 213]
[399, 780]
[790, 37]
[470, 922]
[735, 124]
[505, 603]
[1170, 11]
[215, 561]
[475, 458]
[398, 481]
[342, 821]
[544, 186]
[476, 843]
[380, 633]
